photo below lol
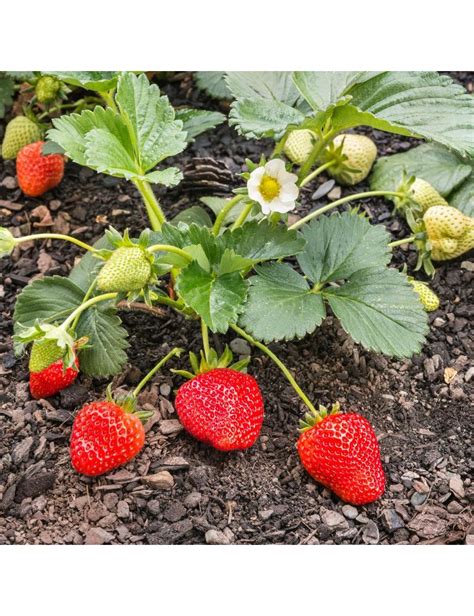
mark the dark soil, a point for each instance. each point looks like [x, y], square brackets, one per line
[422, 412]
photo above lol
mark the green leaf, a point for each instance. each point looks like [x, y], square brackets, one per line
[261, 241]
[150, 118]
[194, 214]
[232, 262]
[213, 83]
[53, 299]
[97, 81]
[337, 246]
[263, 118]
[167, 177]
[432, 162]
[379, 309]
[281, 305]
[325, 89]
[217, 299]
[6, 93]
[197, 121]
[70, 132]
[106, 153]
[423, 104]
[263, 85]
[463, 197]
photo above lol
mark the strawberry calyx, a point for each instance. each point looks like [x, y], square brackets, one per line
[212, 361]
[128, 404]
[312, 418]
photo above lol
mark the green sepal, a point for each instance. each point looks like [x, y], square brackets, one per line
[7, 242]
[128, 403]
[213, 361]
[313, 418]
[46, 331]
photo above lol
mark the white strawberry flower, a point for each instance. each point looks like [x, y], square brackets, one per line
[273, 187]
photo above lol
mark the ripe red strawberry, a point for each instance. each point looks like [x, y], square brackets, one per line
[222, 407]
[341, 452]
[105, 435]
[37, 173]
[47, 374]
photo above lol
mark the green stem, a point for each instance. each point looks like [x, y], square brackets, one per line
[242, 216]
[56, 236]
[162, 362]
[153, 209]
[168, 248]
[330, 206]
[223, 213]
[312, 158]
[86, 297]
[80, 309]
[405, 240]
[109, 99]
[316, 172]
[205, 339]
[279, 363]
[281, 144]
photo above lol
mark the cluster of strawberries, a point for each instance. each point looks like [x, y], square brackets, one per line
[36, 172]
[223, 408]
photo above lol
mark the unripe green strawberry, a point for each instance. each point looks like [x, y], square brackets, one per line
[353, 157]
[425, 195]
[44, 353]
[19, 132]
[299, 145]
[128, 269]
[450, 232]
[428, 298]
[47, 89]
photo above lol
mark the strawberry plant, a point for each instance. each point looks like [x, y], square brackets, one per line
[248, 271]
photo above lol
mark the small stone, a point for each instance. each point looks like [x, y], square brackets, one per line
[35, 485]
[335, 193]
[333, 519]
[98, 536]
[9, 182]
[123, 510]
[362, 518]
[265, 514]
[96, 512]
[175, 512]
[165, 390]
[457, 393]
[159, 481]
[370, 534]
[469, 374]
[349, 512]
[110, 501]
[153, 507]
[239, 346]
[216, 537]
[170, 427]
[418, 498]
[74, 396]
[391, 520]
[21, 452]
[454, 507]
[439, 322]
[428, 526]
[456, 486]
[192, 500]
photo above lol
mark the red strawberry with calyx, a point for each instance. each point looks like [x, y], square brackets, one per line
[105, 435]
[340, 451]
[222, 407]
[48, 372]
[37, 173]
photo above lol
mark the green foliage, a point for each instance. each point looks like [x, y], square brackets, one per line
[6, 93]
[52, 299]
[96, 81]
[450, 174]
[129, 142]
[212, 82]
[197, 121]
[420, 104]
[345, 259]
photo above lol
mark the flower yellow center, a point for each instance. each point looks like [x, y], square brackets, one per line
[269, 188]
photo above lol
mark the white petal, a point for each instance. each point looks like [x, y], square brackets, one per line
[278, 206]
[257, 174]
[288, 192]
[254, 192]
[266, 209]
[275, 167]
[285, 177]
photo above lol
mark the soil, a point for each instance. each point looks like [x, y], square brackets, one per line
[421, 412]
